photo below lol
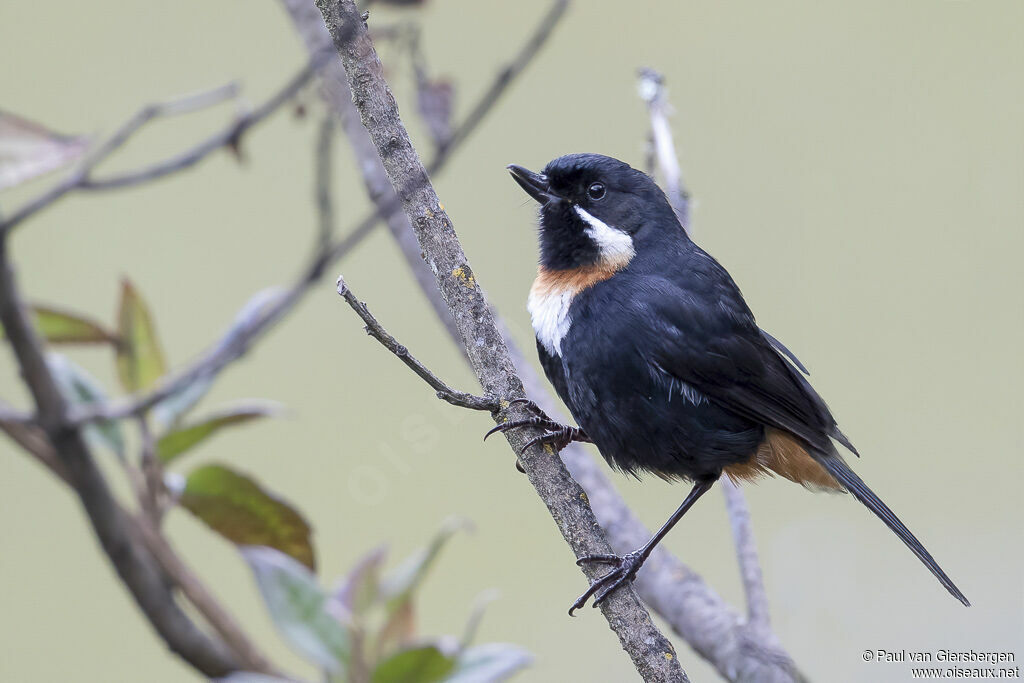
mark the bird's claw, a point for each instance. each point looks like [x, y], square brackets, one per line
[626, 567]
[557, 434]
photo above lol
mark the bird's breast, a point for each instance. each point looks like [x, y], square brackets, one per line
[551, 297]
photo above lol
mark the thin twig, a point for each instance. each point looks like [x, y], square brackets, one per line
[200, 596]
[33, 441]
[153, 499]
[81, 179]
[746, 555]
[651, 86]
[238, 339]
[651, 652]
[375, 330]
[324, 179]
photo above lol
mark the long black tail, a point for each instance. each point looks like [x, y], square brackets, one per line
[855, 485]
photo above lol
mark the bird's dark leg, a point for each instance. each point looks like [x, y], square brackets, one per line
[557, 434]
[627, 566]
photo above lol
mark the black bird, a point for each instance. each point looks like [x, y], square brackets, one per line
[648, 341]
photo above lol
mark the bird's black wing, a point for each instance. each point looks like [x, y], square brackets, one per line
[707, 337]
[781, 348]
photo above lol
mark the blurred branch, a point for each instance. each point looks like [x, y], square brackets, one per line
[324, 181]
[750, 650]
[239, 338]
[651, 653]
[334, 88]
[22, 430]
[444, 392]
[82, 179]
[746, 554]
[651, 86]
[199, 595]
[209, 655]
[136, 567]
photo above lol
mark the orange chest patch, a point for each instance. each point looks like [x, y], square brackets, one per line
[551, 296]
[559, 282]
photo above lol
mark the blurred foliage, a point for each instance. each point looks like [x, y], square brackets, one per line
[363, 631]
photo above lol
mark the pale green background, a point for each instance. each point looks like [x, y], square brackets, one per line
[859, 167]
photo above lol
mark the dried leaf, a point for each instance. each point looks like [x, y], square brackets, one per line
[297, 607]
[80, 388]
[422, 664]
[28, 150]
[489, 663]
[178, 441]
[241, 511]
[140, 360]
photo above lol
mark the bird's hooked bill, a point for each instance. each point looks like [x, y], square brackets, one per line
[535, 184]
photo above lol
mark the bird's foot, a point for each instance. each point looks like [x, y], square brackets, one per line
[626, 567]
[557, 434]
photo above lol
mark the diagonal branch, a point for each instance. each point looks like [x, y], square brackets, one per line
[240, 338]
[651, 652]
[377, 331]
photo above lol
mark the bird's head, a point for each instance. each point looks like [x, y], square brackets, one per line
[596, 211]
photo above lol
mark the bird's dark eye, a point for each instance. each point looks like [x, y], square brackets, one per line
[596, 191]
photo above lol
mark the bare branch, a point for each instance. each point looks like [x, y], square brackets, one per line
[238, 339]
[200, 596]
[334, 87]
[324, 179]
[81, 179]
[23, 431]
[652, 90]
[651, 652]
[746, 554]
[375, 330]
[134, 564]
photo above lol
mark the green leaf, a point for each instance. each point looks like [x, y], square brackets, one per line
[402, 582]
[178, 441]
[297, 607]
[423, 664]
[489, 663]
[80, 388]
[140, 360]
[237, 508]
[62, 327]
[358, 591]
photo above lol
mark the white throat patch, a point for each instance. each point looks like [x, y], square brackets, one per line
[549, 313]
[616, 247]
